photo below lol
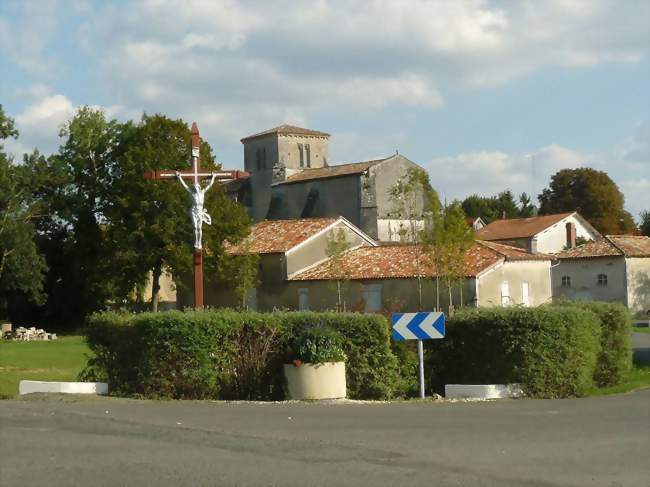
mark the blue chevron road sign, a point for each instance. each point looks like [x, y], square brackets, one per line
[418, 326]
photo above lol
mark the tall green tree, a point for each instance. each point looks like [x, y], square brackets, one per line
[337, 245]
[593, 194]
[22, 267]
[416, 203]
[149, 225]
[491, 208]
[448, 241]
[645, 223]
[526, 206]
[72, 229]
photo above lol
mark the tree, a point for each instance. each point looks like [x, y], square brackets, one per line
[73, 226]
[150, 229]
[593, 194]
[448, 241]
[645, 223]
[526, 207]
[337, 246]
[22, 267]
[416, 203]
[491, 208]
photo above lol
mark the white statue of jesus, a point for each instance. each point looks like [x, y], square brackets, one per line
[198, 212]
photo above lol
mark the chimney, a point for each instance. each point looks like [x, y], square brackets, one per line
[570, 235]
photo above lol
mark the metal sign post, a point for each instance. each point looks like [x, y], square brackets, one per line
[198, 213]
[419, 326]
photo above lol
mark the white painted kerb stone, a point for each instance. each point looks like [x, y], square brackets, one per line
[483, 391]
[31, 386]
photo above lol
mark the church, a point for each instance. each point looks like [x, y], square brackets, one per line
[290, 176]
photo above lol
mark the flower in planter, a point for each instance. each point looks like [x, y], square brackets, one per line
[318, 346]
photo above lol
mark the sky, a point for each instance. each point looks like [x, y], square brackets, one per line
[486, 95]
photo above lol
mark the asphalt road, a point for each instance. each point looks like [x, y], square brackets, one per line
[117, 442]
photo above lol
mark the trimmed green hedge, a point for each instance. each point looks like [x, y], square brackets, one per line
[230, 355]
[615, 358]
[551, 351]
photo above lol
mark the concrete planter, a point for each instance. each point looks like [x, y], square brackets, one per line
[316, 381]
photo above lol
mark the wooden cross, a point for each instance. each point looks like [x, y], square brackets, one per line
[196, 175]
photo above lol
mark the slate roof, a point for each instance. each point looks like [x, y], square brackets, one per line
[285, 129]
[278, 236]
[400, 262]
[519, 227]
[331, 171]
[610, 246]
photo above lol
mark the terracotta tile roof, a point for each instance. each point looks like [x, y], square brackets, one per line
[631, 245]
[331, 171]
[400, 262]
[519, 227]
[285, 129]
[278, 236]
[513, 253]
[608, 246]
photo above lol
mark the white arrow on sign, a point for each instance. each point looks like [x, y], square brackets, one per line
[427, 325]
[401, 326]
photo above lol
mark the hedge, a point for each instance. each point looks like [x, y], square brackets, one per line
[224, 354]
[615, 357]
[551, 351]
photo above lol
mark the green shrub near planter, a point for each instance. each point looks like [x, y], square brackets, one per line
[615, 358]
[551, 351]
[230, 355]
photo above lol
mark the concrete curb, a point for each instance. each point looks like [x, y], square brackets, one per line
[32, 386]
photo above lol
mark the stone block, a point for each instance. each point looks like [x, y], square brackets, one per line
[483, 391]
[32, 386]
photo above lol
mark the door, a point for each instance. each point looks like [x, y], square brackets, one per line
[372, 298]
[524, 294]
[303, 299]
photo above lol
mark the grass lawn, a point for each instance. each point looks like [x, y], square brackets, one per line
[638, 377]
[62, 359]
[645, 329]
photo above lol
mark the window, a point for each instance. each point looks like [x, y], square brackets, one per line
[566, 281]
[308, 155]
[303, 299]
[372, 298]
[258, 158]
[602, 279]
[302, 155]
[505, 293]
[525, 299]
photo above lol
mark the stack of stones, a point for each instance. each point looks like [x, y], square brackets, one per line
[26, 334]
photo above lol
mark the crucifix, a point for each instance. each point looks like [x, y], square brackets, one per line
[198, 212]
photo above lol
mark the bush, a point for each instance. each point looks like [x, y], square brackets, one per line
[615, 358]
[319, 345]
[551, 351]
[230, 355]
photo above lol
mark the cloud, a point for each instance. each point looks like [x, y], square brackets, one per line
[40, 122]
[488, 173]
[239, 59]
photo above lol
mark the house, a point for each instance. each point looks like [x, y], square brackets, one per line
[285, 247]
[545, 234]
[385, 278]
[475, 223]
[296, 273]
[614, 268]
[291, 177]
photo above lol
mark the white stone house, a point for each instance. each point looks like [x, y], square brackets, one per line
[615, 268]
[545, 234]
[295, 272]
